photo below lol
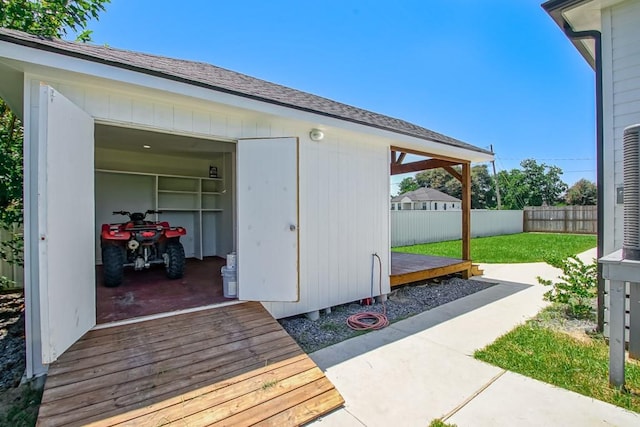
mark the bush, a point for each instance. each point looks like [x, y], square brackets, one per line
[577, 288]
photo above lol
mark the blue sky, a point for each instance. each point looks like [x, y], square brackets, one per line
[484, 71]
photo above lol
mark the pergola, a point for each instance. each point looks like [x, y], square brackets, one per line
[398, 156]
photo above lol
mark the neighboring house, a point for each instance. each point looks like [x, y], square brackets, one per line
[300, 185]
[425, 199]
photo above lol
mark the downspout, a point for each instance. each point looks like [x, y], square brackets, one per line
[597, 37]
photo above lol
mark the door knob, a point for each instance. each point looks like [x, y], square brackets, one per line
[292, 227]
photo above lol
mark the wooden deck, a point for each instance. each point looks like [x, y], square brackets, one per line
[409, 268]
[231, 365]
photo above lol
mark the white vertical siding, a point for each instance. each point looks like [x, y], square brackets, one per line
[622, 25]
[344, 212]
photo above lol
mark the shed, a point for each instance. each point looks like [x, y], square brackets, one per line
[299, 184]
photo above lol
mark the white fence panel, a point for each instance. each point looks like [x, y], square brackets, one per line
[415, 227]
[11, 271]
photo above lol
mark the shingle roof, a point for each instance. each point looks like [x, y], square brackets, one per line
[425, 194]
[223, 80]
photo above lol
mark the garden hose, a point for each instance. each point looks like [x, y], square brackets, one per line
[371, 320]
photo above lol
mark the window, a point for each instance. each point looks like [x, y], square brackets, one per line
[435, 206]
[445, 206]
[424, 206]
[399, 206]
[393, 206]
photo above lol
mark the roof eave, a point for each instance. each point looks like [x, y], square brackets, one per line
[555, 9]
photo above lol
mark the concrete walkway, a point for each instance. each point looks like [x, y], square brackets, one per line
[423, 368]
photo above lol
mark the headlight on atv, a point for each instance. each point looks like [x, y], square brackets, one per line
[133, 245]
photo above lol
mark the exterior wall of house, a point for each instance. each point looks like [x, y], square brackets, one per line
[343, 182]
[621, 86]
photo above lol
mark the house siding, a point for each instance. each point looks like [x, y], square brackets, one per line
[621, 67]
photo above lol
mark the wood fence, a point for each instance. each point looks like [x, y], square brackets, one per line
[561, 219]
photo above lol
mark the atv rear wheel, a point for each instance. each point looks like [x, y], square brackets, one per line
[112, 265]
[175, 256]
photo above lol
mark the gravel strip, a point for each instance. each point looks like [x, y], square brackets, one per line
[12, 345]
[403, 302]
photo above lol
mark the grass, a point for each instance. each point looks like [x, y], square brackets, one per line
[557, 358]
[511, 248]
[22, 410]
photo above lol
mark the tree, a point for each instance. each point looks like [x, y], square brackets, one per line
[408, 184]
[482, 186]
[48, 18]
[533, 185]
[583, 192]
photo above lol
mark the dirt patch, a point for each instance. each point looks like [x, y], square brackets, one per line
[18, 403]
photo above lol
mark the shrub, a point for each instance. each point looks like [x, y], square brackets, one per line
[577, 287]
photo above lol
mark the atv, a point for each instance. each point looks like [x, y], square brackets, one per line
[139, 243]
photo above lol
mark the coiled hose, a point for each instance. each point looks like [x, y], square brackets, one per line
[371, 320]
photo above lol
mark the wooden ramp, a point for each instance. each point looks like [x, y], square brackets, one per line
[409, 268]
[231, 366]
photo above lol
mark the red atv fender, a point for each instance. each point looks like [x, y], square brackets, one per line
[175, 232]
[109, 233]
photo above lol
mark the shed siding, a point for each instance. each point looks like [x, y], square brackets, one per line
[344, 187]
[343, 220]
[625, 78]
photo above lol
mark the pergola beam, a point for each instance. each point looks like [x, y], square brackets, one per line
[421, 165]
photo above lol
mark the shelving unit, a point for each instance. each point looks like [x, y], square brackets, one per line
[189, 201]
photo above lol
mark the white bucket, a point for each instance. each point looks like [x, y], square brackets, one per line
[229, 282]
[231, 261]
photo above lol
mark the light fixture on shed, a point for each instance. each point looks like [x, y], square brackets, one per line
[316, 135]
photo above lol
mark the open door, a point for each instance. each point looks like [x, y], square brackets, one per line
[267, 197]
[66, 231]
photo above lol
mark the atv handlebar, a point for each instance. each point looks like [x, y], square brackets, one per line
[127, 213]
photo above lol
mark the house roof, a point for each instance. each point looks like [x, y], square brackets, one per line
[227, 81]
[425, 194]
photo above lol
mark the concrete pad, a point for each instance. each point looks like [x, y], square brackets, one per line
[476, 320]
[410, 381]
[516, 400]
[338, 418]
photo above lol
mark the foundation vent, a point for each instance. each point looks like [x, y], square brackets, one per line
[631, 169]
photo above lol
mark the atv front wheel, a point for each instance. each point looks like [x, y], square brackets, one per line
[175, 257]
[112, 265]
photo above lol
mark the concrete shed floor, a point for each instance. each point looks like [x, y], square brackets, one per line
[149, 292]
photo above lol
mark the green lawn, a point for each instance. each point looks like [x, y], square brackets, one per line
[511, 248]
[557, 358]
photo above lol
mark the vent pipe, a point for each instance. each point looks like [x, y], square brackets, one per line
[631, 169]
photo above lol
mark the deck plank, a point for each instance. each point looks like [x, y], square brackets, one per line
[247, 361]
[409, 268]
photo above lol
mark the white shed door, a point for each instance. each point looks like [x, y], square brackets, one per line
[66, 219]
[267, 192]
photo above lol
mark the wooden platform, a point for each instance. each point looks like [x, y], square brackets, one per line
[409, 268]
[231, 365]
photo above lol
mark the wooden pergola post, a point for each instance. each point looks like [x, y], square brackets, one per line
[466, 211]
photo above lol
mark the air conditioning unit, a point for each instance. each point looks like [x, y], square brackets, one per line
[631, 169]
